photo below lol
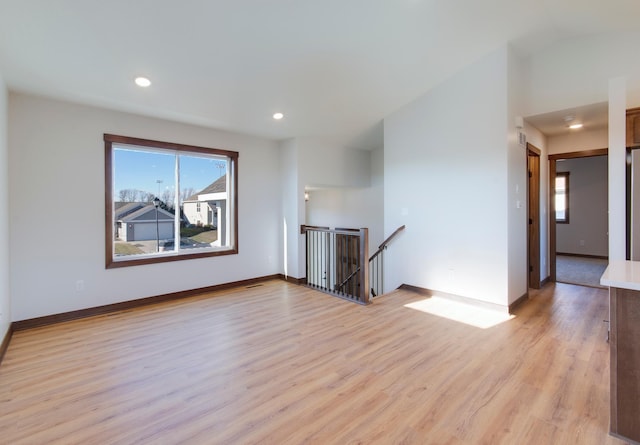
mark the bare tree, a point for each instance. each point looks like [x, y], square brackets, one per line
[168, 196]
[186, 193]
[133, 195]
[128, 195]
[146, 196]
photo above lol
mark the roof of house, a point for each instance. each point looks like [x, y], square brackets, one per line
[122, 209]
[142, 214]
[217, 186]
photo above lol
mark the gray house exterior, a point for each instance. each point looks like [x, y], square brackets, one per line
[136, 221]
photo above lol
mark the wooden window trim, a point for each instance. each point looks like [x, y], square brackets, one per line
[109, 140]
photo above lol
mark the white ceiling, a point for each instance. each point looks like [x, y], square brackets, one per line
[336, 68]
[593, 117]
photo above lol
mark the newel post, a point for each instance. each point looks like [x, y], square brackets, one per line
[364, 266]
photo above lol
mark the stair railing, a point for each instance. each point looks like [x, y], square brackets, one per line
[376, 265]
[334, 259]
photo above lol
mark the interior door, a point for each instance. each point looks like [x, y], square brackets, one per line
[533, 216]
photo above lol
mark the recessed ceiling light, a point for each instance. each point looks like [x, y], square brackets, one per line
[575, 126]
[142, 82]
[278, 116]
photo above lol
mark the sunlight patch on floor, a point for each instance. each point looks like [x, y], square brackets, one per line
[460, 312]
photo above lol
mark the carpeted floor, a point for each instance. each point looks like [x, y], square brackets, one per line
[579, 270]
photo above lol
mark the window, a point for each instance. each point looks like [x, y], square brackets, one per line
[154, 195]
[562, 198]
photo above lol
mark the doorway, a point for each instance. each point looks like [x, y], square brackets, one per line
[553, 223]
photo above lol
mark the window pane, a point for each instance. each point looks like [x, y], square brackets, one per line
[562, 197]
[560, 204]
[204, 201]
[139, 176]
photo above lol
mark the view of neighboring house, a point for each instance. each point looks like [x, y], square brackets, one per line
[136, 221]
[204, 207]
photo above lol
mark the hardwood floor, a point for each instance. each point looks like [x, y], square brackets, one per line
[281, 364]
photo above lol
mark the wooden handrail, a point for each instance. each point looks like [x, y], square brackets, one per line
[353, 274]
[390, 237]
[303, 228]
[382, 246]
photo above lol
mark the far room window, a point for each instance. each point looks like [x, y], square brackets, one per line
[154, 194]
[562, 198]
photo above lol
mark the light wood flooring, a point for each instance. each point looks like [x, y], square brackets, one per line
[282, 364]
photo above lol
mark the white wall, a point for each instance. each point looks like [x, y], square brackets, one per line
[580, 140]
[446, 178]
[323, 163]
[292, 195]
[517, 180]
[353, 207]
[618, 104]
[586, 233]
[57, 162]
[5, 289]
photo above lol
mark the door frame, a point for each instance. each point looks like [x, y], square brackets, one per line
[533, 216]
[552, 202]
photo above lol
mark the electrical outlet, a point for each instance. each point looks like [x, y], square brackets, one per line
[79, 285]
[582, 242]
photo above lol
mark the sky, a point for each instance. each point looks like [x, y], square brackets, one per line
[153, 172]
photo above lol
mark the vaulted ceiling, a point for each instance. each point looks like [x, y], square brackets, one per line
[335, 68]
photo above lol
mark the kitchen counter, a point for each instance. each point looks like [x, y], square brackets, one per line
[622, 274]
[623, 279]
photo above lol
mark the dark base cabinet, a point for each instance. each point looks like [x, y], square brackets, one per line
[625, 363]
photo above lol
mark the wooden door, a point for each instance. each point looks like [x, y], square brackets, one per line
[347, 259]
[533, 216]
